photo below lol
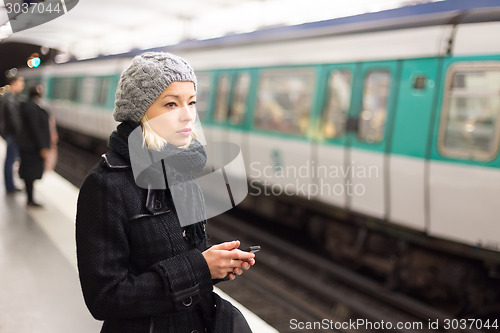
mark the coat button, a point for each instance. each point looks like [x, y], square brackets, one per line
[157, 205]
[187, 302]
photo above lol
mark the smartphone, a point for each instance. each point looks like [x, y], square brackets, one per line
[253, 249]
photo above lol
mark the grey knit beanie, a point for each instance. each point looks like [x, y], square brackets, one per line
[147, 77]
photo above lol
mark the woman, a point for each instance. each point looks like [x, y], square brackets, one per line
[140, 270]
[34, 141]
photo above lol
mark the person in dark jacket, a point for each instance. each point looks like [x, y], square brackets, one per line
[34, 141]
[141, 270]
[10, 126]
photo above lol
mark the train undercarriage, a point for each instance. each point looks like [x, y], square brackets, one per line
[461, 280]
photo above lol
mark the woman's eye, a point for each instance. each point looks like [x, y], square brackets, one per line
[192, 103]
[171, 105]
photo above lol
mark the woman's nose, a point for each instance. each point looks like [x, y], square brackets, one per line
[187, 113]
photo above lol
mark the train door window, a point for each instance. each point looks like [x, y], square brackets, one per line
[202, 94]
[236, 114]
[285, 99]
[221, 104]
[88, 90]
[337, 103]
[374, 108]
[471, 108]
[419, 82]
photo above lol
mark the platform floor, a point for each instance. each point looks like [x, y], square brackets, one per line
[39, 286]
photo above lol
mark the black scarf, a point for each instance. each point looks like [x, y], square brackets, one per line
[176, 170]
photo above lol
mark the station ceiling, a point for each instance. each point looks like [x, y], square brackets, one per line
[96, 27]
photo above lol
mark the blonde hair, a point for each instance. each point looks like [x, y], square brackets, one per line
[152, 140]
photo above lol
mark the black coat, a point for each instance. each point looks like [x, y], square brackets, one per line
[10, 119]
[33, 137]
[137, 271]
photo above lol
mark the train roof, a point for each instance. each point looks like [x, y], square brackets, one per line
[449, 12]
[423, 15]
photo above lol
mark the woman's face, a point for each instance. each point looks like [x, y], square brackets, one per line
[173, 113]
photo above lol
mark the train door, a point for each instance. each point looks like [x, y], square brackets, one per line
[330, 151]
[369, 130]
[464, 175]
[229, 120]
[280, 153]
[232, 103]
[410, 141]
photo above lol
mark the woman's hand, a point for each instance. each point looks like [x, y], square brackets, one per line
[226, 260]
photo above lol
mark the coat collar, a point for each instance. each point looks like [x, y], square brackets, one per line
[113, 161]
[154, 198]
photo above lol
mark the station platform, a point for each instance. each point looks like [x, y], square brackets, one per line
[39, 286]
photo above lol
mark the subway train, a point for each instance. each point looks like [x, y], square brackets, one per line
[377, 135]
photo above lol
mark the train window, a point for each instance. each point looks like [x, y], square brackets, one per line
[54, 91]
[53, 88]
[221, 106]
[101, 96]
[202, 94]
[419, 82]
[61, 88]
[471, 107]
[374, 112]
[239, 101]
[338, 103]
[285, 100]
[88, 90]
[67, 83]
[76, 90]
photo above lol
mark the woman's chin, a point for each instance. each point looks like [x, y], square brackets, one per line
[181, 142]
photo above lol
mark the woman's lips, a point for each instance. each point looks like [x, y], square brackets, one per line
[185, 131]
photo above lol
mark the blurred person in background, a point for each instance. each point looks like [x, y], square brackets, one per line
[34, 141]
[10, 127]
[51, 160]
